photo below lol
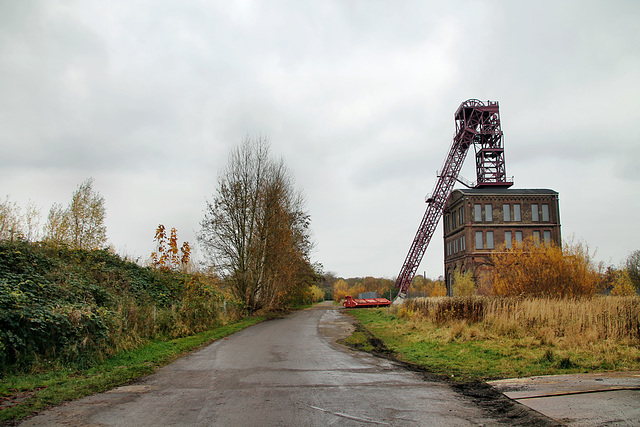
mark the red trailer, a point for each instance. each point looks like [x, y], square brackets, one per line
[350, 302]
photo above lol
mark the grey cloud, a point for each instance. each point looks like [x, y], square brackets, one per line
[357, 97]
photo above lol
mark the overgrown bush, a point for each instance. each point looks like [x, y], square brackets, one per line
[544, 270]
[73, 306]
[463, 284]
[35, 324]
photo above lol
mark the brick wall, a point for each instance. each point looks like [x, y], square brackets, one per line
[475, 224]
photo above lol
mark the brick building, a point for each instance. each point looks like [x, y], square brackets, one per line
[479, 221]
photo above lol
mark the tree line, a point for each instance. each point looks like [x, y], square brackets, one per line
[539, 269]
[532, 269]
[79, 225]
[255, 233]
[337, 288]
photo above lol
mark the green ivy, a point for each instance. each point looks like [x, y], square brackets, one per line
[60, 304]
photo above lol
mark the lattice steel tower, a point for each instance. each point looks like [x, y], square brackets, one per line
[477, 124]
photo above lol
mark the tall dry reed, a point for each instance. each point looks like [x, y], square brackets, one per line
[596, 318]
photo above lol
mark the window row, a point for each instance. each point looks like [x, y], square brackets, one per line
[510, 212]
[485, 240]
[456, 245]
[454, 220]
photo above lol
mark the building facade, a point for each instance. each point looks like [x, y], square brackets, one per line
[478, 222]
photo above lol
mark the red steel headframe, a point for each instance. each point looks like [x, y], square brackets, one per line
[478, 124]
[490, 165]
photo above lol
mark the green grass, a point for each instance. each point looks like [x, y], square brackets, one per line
[451, 351]
[359, 340]
[38, 391]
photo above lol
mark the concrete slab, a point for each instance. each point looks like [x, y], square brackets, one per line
[610, 398]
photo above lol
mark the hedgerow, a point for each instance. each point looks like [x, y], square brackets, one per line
[71, 306]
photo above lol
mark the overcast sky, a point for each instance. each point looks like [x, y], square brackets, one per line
[358, 98]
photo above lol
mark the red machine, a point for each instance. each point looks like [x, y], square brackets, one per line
[477, 124]
[350, 302]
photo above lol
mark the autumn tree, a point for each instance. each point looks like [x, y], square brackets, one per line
[437, 288]
[327, 281]
[380, 286]
[544, 270]
[427, 287]
[30, 223]
[340, 289]
[256, 230]
[81, 223]
[57, 228]
[622, 284]
[463, 284]
[19, 224]
[167, 256]
[632, 265]
[10, 227]
[317, 294]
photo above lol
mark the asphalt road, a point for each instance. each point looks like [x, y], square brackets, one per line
[284, 372]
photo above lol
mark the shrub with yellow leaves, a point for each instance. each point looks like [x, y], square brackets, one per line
[544, 270]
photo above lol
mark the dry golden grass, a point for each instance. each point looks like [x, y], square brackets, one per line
[560, 322]
[480, 338]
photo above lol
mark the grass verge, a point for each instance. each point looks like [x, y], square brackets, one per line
[466, 353]
[24, 394]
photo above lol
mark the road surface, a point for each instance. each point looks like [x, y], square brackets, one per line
[284, 372]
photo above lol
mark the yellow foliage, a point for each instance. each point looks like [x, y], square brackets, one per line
[622, 285]
[428, 287]
[317, 294]
[543, 270]
[340, 289]
[463, 284]
[438, 289]
[167, 256]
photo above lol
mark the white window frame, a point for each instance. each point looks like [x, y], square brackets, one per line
[488, 212]
[517, 214]
[477, 210]
[545, 212]
[489, 237]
